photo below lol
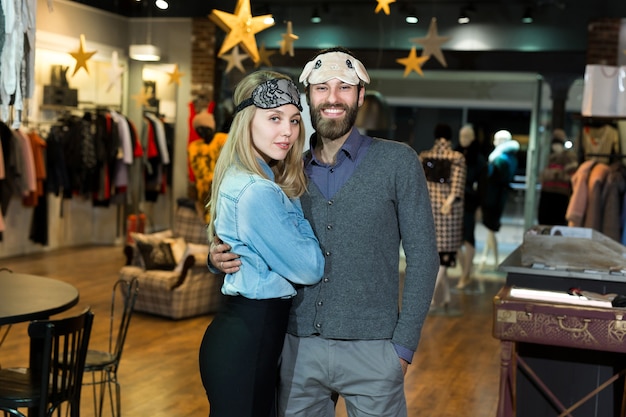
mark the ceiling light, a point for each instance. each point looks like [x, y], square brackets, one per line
[411, 17]
[463, 17]
[145, 52]
[528, 16]
[161, 4]
[315, 17]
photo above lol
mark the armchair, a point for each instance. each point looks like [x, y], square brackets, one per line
[171, 287]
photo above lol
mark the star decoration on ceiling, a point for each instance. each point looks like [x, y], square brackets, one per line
[384, 6]
[234, 60]
[141, 98]
[413, 62]
[114, 73]
[240, 28]
[432, 42]
[175, 76]
[286, 45]
[264, 57]
[81, 56]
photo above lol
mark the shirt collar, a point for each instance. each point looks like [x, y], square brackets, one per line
[350, 147]
[266, 168]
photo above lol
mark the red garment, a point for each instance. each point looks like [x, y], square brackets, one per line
[152, 150]
[138, 150]
[193, 135]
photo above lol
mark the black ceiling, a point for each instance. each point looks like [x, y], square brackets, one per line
[199, 8]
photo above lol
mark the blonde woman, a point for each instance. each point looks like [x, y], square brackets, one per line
[256, 210]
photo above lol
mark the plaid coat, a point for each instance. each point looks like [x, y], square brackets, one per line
[445, 171]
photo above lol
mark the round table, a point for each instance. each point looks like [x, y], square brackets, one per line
[26, 297]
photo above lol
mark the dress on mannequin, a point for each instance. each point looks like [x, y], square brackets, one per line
[501, 167]
[445, 174]
[476, 164]
[556, 185]
[203, 154]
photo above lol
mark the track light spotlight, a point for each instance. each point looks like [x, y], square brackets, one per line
[315, 17]
[463, 17]
[161, 4]
[411, 17]
[528, 16]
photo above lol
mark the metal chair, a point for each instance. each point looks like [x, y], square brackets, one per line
[103, 365]
[55, 375]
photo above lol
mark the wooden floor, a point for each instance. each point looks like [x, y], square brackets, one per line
[455, 372]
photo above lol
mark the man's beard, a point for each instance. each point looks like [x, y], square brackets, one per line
[333, 128]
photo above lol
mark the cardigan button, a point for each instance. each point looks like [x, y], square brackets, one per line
[330, 202]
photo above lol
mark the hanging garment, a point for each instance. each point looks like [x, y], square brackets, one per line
[445, 173]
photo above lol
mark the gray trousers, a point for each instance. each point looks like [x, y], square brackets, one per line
[366, 373]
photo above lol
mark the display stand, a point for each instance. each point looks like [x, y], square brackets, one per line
[560, 358]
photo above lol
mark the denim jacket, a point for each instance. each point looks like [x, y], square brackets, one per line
[276, 244]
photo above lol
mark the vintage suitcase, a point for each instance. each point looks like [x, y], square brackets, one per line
[569, 354]
[543, 322]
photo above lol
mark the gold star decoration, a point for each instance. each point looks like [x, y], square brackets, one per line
[413, 62]
[141, 98]
[114, 73]
[175, 75]
[432, 42]
[286, 45]
[240, 28]
[81, 56]
[384, 6]
[234, 60]
[264, 57]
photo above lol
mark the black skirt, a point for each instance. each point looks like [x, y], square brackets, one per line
[239, 356]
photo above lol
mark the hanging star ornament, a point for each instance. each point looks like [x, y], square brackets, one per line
[81, 56]
[234, 60]
[413, 63]
[114, 73]
[141, 98]
[432, 42]
[240, 28]
[384, 6]
[264, 57]
[175, 76]
[286, 45]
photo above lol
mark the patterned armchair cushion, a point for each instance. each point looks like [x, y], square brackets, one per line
[157, 255]
[187, 290]
[155, 280]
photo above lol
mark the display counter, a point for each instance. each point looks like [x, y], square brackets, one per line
[561, 358]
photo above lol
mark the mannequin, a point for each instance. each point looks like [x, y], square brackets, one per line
[501, 167]
[203, 154]
[476, 165]
[556, 186]
[445, 174]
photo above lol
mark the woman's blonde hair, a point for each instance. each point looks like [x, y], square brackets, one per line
[238, 150]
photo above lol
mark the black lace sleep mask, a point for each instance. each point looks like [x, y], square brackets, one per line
[271, 94]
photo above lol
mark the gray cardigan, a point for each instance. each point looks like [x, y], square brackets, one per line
[360, 230]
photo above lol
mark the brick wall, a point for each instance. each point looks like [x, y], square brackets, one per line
[202, 61]
[603, 41]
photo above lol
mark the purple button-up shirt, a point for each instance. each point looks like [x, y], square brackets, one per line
[330, 178]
